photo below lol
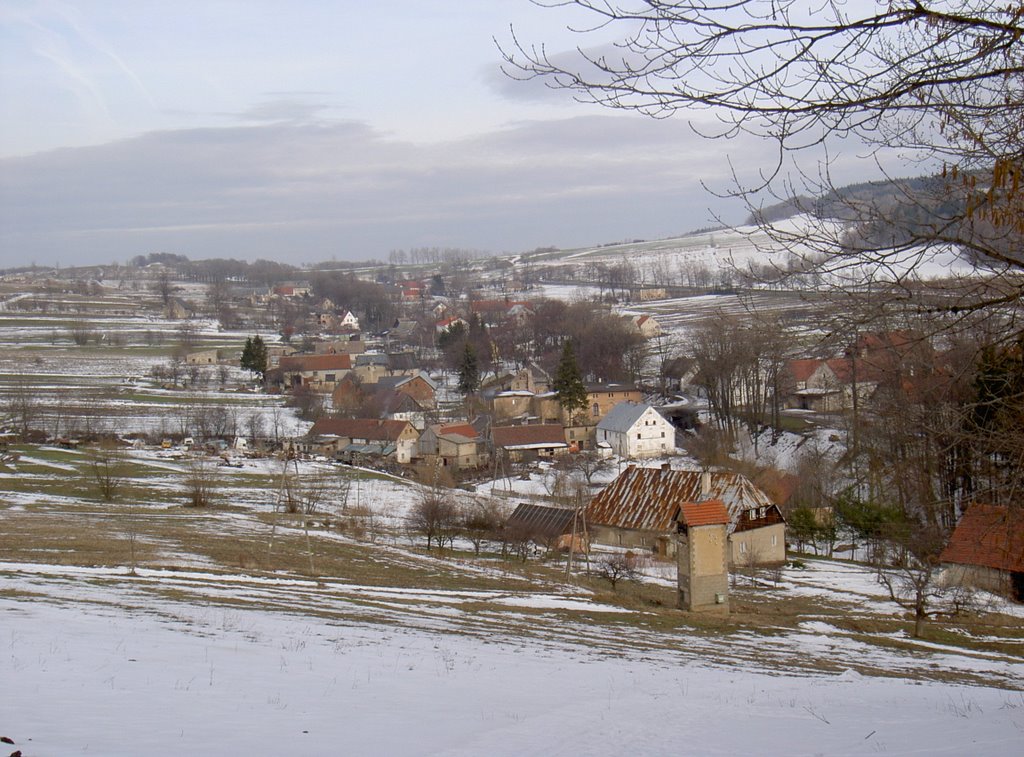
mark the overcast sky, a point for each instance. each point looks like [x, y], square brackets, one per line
[317, 129]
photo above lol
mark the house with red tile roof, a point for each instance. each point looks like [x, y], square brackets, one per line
[986, 550]
[646, 325]
[828, 385]
[321, 373]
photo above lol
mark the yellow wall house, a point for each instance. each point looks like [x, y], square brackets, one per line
[642, 508]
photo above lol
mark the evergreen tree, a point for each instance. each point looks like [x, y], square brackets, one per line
[568, 385]
[437, 285]
[246, 360]
[451, 335]
[469, 371]
[254, 356]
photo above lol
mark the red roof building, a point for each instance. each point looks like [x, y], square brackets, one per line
[987, 549]
[710, 513]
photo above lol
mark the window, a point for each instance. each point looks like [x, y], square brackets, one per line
[638, 436]
[775, 540]
[743, 547]
[596, 410]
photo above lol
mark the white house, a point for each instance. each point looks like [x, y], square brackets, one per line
[635, 429]
[349, 321]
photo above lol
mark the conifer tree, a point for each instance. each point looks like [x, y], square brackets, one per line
[254, 356]
[469, 371]
[568, 385]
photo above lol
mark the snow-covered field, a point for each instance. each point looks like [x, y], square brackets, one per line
[113, 665]
[391, 650]
[727, 250]
[107, 386]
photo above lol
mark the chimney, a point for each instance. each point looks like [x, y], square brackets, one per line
[666, 466]
[705, 483]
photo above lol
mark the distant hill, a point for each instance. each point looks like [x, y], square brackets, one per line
[881, 213]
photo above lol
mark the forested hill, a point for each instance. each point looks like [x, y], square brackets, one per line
[880, 212]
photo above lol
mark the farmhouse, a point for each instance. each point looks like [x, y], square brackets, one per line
[986, 550]
[321, 373]
[529, 442]
[551, 526]
[292, 289]
[458, 446]
[178, 310]
[601, 398]
[646, 326]
[512, 404]
[206, 357]
[828, 386]
[352, 346]
[340, 436]
[642, 507]
[635, 430]
[532, 378]
[419, 386]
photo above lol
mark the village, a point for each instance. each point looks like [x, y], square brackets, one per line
[415, 473]
[569, 377]
[632, 434]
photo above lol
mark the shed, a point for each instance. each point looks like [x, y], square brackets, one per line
[987, 550]
[542, 522]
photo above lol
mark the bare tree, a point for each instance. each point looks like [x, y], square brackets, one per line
[255, 426]
[108, 469]
[306, 495]
[911, 582]
[914, 82]
[434, 516]
[480, 520]
[21, 407]
[587, 463]
[164, 287]
[616, 567]
[200, 482]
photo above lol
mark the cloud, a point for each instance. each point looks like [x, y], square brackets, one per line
[288, 107]
[307, 191]
[513, 83]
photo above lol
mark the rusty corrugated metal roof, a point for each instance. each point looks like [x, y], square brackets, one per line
[542, 520]
[651, 499]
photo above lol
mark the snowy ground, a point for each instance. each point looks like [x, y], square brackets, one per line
[107, 387]
[108, 665]
[464, 655]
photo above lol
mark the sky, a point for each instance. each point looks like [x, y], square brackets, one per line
[317, 130]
